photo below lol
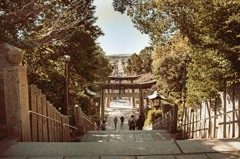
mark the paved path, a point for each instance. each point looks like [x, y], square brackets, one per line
[117, 110]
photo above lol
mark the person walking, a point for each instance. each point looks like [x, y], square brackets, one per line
[122, 120]
[132, 123]
[115, 122]
[140, 122]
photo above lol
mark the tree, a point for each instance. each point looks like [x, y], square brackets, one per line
[47, 30]
[213, 24]
[140, 64]
[168, 66]
[150, 17]
[207, 74]
[146, 60]
[42, 22]
[134, 66]
[212, 28]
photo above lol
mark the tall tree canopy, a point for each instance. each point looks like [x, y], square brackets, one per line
[134, 65]
[48, 30]
[210, 23]
[140, 64]
[168, 66]
[146, 59]
[212, 29]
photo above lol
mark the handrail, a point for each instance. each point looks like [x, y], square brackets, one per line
[85, 117]
[93, 123]
[197, 121]
[73, 127]
[44, 116]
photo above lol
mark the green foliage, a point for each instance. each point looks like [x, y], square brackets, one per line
[213, 24]
[150, 17]
[47, 30]
[168, 66]
[140, 64]
[206, 75]
[134, 65]
[146, 60]
[212, 29]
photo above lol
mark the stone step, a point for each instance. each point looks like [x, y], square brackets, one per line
[165, 149]
[126, 136]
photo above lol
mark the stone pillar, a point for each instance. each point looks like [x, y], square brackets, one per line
[3, 63]
[15, 93]
[108, 100]
[102, 103]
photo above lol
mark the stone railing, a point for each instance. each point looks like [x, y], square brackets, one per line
[14, 94]
[24, 111]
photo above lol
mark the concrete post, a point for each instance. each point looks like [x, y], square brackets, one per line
[16, 93]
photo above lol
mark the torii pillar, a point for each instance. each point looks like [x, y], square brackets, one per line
[102, 103]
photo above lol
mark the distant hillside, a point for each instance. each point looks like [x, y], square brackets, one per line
[119, 63]
[114, 55]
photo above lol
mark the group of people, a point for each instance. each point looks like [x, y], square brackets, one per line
[136, 124]
[133, 123]
[115, 120]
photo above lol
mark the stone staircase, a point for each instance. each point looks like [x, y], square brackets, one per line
[126, 136]
[123, 144]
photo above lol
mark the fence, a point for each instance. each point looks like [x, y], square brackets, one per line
[207, 123]
[28, 114]
[47, 123]
[214, 118]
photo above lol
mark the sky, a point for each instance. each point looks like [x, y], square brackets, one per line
[120, 35]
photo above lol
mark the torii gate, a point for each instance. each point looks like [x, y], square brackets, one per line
[117, 87]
